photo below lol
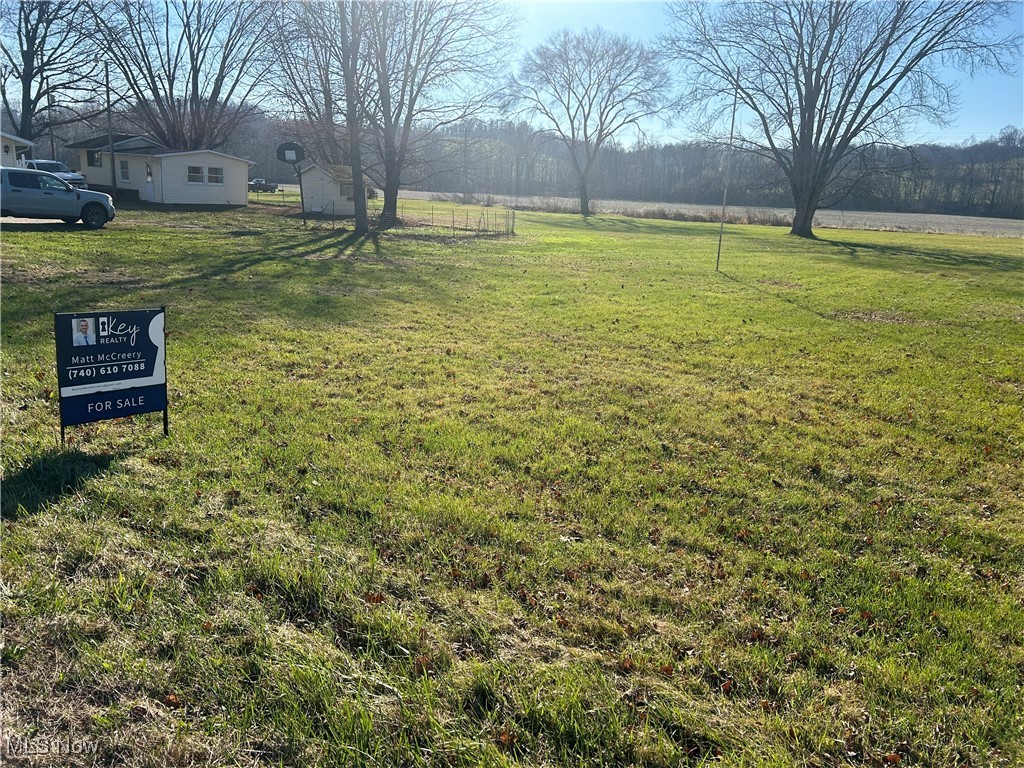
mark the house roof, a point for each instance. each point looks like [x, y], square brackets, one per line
[102, 142]
[15, 139]
[165, 152]
[128, 144]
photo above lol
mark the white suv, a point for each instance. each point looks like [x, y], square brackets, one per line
[39, 195]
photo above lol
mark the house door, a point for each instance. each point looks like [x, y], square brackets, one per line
[147, 190]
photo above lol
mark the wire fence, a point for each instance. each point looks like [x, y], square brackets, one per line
[463, 220]
[282, 197]
[452, 219]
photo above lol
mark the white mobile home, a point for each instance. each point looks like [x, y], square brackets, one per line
[194, 177]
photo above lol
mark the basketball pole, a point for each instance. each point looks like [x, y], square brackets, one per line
[725, 173]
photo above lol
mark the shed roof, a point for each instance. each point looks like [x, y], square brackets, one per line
[336, 172]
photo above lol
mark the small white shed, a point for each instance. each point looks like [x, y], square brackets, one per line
[328, 189]
[194, 177]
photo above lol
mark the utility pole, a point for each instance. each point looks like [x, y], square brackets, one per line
[465, 164]
[110, 130]
[49, 115]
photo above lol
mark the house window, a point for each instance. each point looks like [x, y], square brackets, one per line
[93, 158]
[195, 174]
[347, 191]
[124, 171]
[214, 175]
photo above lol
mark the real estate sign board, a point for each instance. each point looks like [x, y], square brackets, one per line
[110, 364]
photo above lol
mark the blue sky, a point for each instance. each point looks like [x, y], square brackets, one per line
[988, 101]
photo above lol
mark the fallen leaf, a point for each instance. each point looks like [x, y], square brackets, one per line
[373, 598]
[507, 739]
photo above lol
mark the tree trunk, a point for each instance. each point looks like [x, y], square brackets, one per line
[802, 221]
[806, 204]
[351, 34]
[362, 219]
[389, 213]
[584, 197]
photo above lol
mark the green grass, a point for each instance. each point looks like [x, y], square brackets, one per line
[570, 498]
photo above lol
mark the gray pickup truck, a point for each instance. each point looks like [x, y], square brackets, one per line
[59, 170]
[262, 185]
[39, 195]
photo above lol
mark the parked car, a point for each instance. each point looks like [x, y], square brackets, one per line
[262, 185]
[59, 170]
[40, 195]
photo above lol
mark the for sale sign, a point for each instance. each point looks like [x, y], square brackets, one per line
[110, 364]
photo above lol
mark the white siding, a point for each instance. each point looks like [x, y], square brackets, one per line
[13, 147]
[136, 171]
[170, 180]
[322, 194]
[100, 177]
[176, 187]
[94, 177]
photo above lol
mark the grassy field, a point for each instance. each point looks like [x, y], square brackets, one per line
[569, 498]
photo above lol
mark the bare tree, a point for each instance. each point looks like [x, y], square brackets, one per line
[825, 78]
[428, 64]
[349, 45]
[586, 87]
[191, 68]
[307, 74]
[319, 55]
[48, 66]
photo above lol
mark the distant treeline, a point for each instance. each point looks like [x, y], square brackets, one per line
[975, 178]
[978, 178]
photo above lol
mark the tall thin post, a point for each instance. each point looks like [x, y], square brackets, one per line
[49, 114]
[302, 197]
[110, 129]
[465, 164]
[725, 171]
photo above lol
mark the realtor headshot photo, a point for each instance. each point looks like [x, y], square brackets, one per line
[84, 334]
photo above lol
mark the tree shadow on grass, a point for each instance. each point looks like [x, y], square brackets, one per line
[48, 478]
[935, 258]
[46, 225]
[295, 276]
[620, 222]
